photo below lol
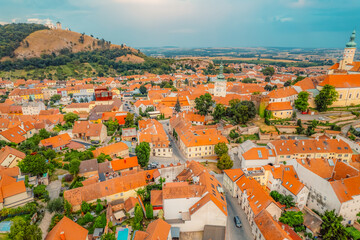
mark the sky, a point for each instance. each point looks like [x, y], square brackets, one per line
[198, 23]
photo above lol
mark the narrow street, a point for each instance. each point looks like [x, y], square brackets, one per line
[232, 232]
[54, 190]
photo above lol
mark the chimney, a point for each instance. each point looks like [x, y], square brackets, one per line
[62, 236]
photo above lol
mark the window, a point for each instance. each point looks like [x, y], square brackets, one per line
[340, 97]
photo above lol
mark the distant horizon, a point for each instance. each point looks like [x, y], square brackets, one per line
[193, 23]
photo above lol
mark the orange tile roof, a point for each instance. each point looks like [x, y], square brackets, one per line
[121, 164]
[6, 151]
[156, 197]
[156, 230]
[70, 229]
[287, 147]
[283, 92]
[343, 170]
[234, 174]
[14, 135]
[106, 188]
[258, 198]
[111, 149]
[269, 228]
[319, 166]
[88, 128]
[346, 188]
[342, 81]
[152, 131]
[56, 141]
[130, 203]
[258, 153]
[279, 106]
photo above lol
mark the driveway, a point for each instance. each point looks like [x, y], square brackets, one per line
[234, 209]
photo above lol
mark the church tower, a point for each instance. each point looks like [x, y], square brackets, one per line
[220, 84]
[349, 53]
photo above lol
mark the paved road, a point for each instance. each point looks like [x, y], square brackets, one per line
[232, 232]
[54, 190]
[346, 128]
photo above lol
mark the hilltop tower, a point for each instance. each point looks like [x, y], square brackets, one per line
[58, 25]
[349, 53]
[220, 84]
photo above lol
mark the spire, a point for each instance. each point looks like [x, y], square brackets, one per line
[221, 76]
[351, 43]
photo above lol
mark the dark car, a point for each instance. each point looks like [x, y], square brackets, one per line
[237, 222]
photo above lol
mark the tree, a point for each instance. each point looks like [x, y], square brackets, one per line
[34, 164]
[221, 148]
[85, 207]
[309, 131]
[102, 157]
[129, 120]
[219, 112]
[287, 200]
[138, 217]
[99, 207]
[292, 218]
[41, 192]
[287, 83]
[23, 230]
[331, 228]
[177, 106]
[108, 236]
[224, 162]
[241, 111]
[55, 97]
[67, 208]
[49, 154]
[56, 205]
[203, 104]
[301, 103]
[149, 211]
[143, 153]
[268, 71]
[143, 89]
[326, 98]
[276, 195]
[74, 166]
[88, 217]
[267, 79]
[71, 118]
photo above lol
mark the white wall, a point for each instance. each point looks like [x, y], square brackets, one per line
[174, 207]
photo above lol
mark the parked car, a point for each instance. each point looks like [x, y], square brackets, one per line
[237, 221]
[321, 119]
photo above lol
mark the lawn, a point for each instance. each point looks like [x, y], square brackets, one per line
[265, 128]
[211, 166]
[3, 236]
[353, 232]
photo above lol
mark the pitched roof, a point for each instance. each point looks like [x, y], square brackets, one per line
[287, 147]
[347, 188]
[70, 229]
[342, 81]
[279, 106]
[106, 188]
[88, 128]
[56, 141]
[130, 203]
[269, 228]
[258, 153]
[156, 198]
[283, 92]
[234, 174]
[14, 135]
[111, 149]
[320, 166]
[6, 151]
[121, 164]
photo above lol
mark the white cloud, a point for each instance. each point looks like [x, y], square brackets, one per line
[283, 19]
[39, 21]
